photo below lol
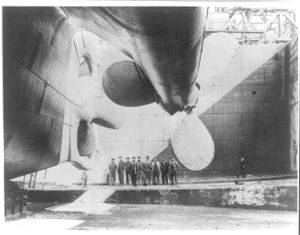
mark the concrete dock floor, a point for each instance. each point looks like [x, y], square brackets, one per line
[133, 216]
[208, 182]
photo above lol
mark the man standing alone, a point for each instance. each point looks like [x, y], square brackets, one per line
[242, 170]
[112, 171]
[121, 170]
[84, 178]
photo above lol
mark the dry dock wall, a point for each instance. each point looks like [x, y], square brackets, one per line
[272, 195]
[251, 121]
[255, 197]
[293, 102]
[255, 120]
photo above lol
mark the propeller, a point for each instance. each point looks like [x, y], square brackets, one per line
[125, 84]
[191, 141]
[221, 55]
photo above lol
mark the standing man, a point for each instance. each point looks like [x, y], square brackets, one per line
[121, 170]
[140, 172]
[155, 171]
[173, 171]
[242, 170]
[84, 178]
[127, 170]
[164, 171]
[112, 171]
[133, 171]
[147, 170]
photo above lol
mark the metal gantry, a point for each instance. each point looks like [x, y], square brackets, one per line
[253, 25]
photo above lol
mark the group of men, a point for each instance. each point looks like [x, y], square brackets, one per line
[143, 172]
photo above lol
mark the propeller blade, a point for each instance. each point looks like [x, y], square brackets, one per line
[125, 84]
[192, 144]
[85, 139]
[108, 114]
[83, 146]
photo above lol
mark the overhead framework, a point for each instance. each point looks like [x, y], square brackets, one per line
[252, 25]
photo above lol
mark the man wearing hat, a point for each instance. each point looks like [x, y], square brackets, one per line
[155, 171]
[127, 170]
[140, 172]
[173, 171]
[133, 171]
[121, 170]
[164, 171]
[112, 171]
[147, 170]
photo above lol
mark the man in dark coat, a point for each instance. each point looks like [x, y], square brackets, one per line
[121, 170]
[155, 171]
[140, 172]
[147, 170]
[112, 171]
[127, 170]
[133, 171]
[164, 171]
[84, 178]
[173, 171]
[242, 170]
